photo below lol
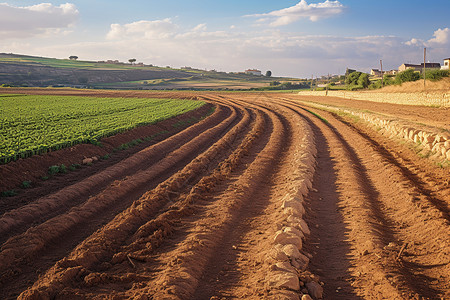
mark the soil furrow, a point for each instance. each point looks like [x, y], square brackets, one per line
[70, 196]
[203, 213]
[140, 211]
[401, 221]
[33, 240]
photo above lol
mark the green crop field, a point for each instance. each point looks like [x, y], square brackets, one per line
[36, 124]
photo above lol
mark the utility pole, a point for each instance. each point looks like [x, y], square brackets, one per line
[328, 82]
[312, 76]
[424, 66]
[381, 64]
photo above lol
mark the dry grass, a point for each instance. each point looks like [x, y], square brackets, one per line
[417, 86]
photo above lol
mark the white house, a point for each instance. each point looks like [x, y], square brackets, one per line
[375, 72]
[253, 72]
[446, 64]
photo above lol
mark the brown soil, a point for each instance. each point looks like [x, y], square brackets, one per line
[431, 116]
[197, 221]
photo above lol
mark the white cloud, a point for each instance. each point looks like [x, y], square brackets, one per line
[441, 37]
[29, 21]
[200, 27]
[162, 42]
[143, 29]
[313, 11]
[414, 42]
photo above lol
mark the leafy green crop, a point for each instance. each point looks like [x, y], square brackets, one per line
[32, 125]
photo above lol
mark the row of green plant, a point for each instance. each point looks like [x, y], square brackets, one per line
[33, 125]
[57, 169]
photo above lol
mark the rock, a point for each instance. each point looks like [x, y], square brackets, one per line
[315, 289]
[286, 267]
[87, 161]
[295, 203]
[286, 295]
[306, 297]
[290, 211]
[299, 264]
[278, 254]
[304, 227]
[291, 251]
[284, 280]
[285, 238]
[294, 231]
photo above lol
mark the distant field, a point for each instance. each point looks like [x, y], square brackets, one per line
[66, 63]
[35, 124]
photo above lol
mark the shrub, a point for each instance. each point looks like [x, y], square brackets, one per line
[388, 80]
[375, 85]
[407, 75]
[436, 75]
[354, 87]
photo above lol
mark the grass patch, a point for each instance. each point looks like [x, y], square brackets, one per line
[10, 193]
[26, 184]
[318, 116]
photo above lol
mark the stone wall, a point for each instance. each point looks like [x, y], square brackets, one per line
[437, 143]
[427, 99]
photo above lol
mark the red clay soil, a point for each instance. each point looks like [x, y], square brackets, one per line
[199, 222]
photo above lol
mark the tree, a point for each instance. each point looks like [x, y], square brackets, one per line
[269, 73]
[73, 57]
[352, 78]
[132, 60]
[363, 80]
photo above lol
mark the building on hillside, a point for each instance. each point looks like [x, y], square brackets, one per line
[375, 72]
[419, 68]
[446, 64]
[253, 72]
[391, 72]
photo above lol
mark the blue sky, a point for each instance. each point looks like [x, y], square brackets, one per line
[291, 38]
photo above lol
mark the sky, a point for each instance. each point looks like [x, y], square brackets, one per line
[291, 38]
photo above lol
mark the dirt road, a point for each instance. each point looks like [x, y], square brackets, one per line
[201, 215]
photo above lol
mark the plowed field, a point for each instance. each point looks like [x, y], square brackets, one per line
[266, 198]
